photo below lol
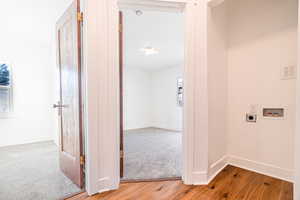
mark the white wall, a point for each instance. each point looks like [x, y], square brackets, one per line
[217, 86]
[166, 113]
[150, 98]
[28, 44]
[136, 99]
[262, 39]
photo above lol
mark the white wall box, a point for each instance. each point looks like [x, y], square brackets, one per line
[273, 112]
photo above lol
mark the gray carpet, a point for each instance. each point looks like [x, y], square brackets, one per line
[152, 153]
[31, 172]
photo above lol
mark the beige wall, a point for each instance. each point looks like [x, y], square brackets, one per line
[262, 38]
[217, 84]
[249, 42]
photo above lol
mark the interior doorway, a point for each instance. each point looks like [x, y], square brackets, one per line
[152, 60]
[69, 107]
[41, 149]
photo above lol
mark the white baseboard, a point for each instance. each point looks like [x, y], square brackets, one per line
[262, 168]
[204, 178]
[154, 127]
[258, 167]
[28, 143]
[199, 178]
[105, 184]
[216, 168]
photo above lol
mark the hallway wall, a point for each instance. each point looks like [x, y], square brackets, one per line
[262, 39]
[166, 113]
[150, 99]
[217, 87]
[136, 99]
[28, 44]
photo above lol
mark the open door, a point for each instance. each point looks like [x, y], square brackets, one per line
[69, 108]
[121, 95]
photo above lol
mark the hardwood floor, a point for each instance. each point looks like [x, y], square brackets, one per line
[231, 184]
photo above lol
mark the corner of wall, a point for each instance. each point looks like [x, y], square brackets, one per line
[262, 168]
[258, 167]
[216, 168]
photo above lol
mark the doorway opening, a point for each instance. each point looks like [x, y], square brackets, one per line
[152, 60]
[41, 148]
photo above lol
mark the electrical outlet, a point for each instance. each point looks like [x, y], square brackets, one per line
[251, 118]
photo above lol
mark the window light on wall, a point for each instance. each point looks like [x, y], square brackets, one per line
[5, 90]
[149, 50]
[180, 92]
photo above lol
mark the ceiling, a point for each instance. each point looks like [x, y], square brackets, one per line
[31, 21]
[160, 30]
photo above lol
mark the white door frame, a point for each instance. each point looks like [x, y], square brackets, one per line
[100, 35]
[297, 131]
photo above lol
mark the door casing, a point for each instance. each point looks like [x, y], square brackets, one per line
[103, 101]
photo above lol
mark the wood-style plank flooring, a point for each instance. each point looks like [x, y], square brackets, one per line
[231, 184]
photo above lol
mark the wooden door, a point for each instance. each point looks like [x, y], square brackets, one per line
[121, 94]
[69, 62]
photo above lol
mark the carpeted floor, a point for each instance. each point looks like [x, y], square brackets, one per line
[31, 172]
[152, 153]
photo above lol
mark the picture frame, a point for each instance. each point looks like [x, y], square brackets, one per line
[180, 91]
[6, 90]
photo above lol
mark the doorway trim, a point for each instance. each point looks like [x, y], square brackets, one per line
[101, 61]
[147, 5]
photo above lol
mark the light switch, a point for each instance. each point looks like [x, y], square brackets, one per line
[288, 72]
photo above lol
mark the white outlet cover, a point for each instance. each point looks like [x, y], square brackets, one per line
[288, 72]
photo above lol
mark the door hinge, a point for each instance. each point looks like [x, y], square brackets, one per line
[122, 154]
[82, 160]
[80, 16]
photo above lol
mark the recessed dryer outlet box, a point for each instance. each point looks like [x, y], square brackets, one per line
[251, 118]
[273, 112]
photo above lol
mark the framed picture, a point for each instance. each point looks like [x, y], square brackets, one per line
[180, 91]
[6, 100]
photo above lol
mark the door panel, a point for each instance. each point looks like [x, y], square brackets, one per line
[69, 60]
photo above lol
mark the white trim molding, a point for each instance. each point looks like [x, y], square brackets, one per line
[102, 91]
[199, 178]
[195, 136]
[214, 3]
[157, 5]
[100, 55]
[216, 168]
[258, 167]
[262, 168]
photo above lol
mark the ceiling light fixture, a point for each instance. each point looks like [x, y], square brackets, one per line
[149, 50]
[138, 12]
